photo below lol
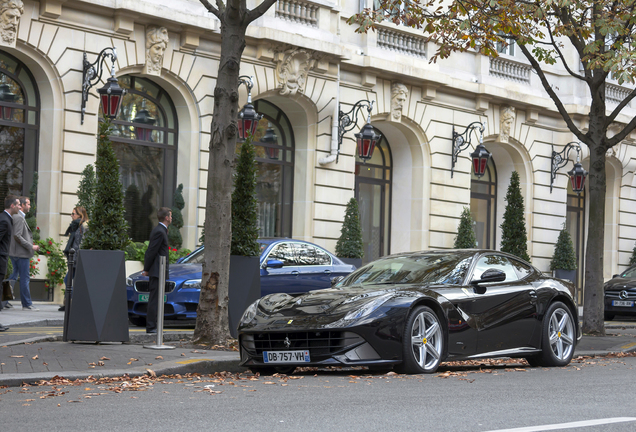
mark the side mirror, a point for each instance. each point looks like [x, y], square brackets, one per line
[490, 275]
[335, 280]
[274, 264]
[615, 276]
[180, 259]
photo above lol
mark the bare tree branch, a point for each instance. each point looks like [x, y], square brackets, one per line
[620, 106]
[214, 10]
[259, 11]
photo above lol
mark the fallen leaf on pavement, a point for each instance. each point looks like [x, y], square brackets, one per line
[158, 358]
[151, 373]
[104, 358]
[16, 356]
[34, 357]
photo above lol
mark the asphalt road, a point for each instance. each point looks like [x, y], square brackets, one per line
[589, 395]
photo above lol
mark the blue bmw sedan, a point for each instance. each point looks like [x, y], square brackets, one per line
[287, 266]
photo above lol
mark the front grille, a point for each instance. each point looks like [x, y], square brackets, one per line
[321, 343]
[143, 286]
[142, 308]
[631, 295]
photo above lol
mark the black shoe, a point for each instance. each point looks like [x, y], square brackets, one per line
[61, 309]
[151, 331]
[3, 328]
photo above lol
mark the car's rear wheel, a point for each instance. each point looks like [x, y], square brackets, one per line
[138, 321]
[559, 336]
[423, 342]
[608, 316]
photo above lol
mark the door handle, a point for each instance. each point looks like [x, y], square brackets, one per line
[327, 271]
[295, 273]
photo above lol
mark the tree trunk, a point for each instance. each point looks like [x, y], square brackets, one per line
[212, 314]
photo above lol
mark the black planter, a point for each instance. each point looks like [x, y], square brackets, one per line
[353, 261]
[244, 289]
[565, 274]
[99, 311]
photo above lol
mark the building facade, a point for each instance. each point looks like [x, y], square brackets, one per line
[307, 63]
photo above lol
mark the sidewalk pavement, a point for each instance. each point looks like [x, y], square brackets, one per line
[42, 357]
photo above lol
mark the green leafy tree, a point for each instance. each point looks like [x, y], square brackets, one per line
[466, 238]
[212, 323]
[174, 234]
[350, 242]
[591, 40]
[86, 190]
[108, 229]
[245, 204]
[632, 260]
[31, 215]
[513, 228]
[564, 257]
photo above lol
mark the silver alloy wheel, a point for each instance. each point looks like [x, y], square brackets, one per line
[561, 334]
[426, 340]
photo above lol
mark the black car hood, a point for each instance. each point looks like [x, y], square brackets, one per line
[620, 284]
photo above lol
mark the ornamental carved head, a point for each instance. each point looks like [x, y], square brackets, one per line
[507, 115]
[399, 94]
[10, 13]
[292, 67]
[156, 44]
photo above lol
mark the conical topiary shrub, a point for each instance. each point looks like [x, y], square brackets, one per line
[86, 190]
[513, 229]
[174, 234]
[350, 242]
[632, 260]
[564, 257]
[245, 204]
[108, 229]
[466, 238]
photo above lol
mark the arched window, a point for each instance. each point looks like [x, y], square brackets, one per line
[19, 124]
[483, 206]
[274, 141]
[373, 192]
[145, 142]
[575, 223]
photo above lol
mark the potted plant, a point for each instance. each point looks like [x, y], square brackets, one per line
[99, 309]
[466, 238]
[245, 272]
[564, 259]
[350, 248]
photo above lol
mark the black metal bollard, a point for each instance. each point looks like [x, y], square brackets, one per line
[68, 293]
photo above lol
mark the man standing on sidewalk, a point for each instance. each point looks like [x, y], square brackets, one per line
[21, 251]
[11, 207]
[157, 247]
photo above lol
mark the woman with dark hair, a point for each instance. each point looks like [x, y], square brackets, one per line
[76, 231]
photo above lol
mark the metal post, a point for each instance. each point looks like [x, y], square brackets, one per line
[161, 293]
[68, 293]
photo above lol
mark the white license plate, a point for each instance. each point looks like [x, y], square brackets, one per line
[143, 298]
[626, 303]
[286, 356]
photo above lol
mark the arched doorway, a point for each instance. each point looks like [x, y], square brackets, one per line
[144, 138]
[483, 206]
[19, 126]
[373, 192]
[274, 142]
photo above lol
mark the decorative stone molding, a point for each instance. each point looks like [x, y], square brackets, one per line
[399, 95]
[402, 42]
[532, 116]
[301, 12]
[507, 116]
[615, 93]
[10, 13]
[292, 66]
[156, 44]
[51, 8]
[124, 23]
[611, 152]
[510, 70]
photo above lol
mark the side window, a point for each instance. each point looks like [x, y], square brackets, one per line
[306, 254]
[284, 252]
[322, 257]
[497, 262]
[523, 270]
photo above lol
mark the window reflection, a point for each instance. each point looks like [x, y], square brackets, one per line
[483, 206]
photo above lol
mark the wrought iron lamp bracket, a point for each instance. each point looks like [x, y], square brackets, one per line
[461, 141]
[560, 159]
[249, 83]
[347, 121]
[92, 73]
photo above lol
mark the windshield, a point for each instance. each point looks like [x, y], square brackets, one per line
[629, 273]
[432, 268]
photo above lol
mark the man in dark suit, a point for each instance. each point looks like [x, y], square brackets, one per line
[157, 247]
[11, 207]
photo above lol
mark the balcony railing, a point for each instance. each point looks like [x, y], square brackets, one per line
[298, 11]
[402, 42]
[615, 94]
[510, 70]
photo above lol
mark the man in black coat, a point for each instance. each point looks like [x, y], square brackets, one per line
[157, 247]
[11, 207]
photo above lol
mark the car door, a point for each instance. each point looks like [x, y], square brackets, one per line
[504, 313]
[314, 266]
[283, 279]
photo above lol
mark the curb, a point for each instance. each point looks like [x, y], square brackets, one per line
[135, 339]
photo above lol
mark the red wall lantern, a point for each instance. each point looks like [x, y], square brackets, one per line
[248, 118]
[480, 159]
[366, 141]
[6, 96]
[271, 138]
[577, 174]
[143, 117]
[111, 96]
[577, 178]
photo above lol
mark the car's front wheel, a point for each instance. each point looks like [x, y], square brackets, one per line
[608, 316]
[423, 342]
[559, 336]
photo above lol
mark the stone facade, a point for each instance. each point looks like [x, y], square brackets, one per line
[306, 60]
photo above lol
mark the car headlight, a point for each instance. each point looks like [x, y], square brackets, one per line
[249, 313]
[367, 308]
[129, 282]
[192, 283]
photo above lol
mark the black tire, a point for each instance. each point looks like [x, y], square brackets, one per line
[608, 316]
[423, 342]
[558, 334]
[533, 361]
[138, 321]
[271, 370]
